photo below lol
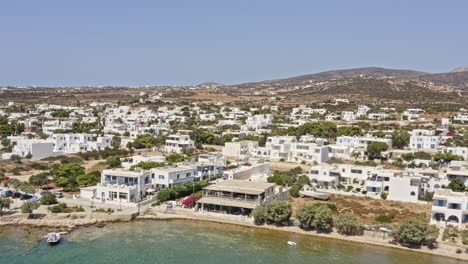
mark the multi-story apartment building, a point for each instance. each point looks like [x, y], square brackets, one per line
[424, 140]
[177, 142]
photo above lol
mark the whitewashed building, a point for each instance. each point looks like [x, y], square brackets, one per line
[177, 142]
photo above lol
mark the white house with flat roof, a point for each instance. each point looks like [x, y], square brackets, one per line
[177, 142]
[450, 208]
[80, 142]
[38, 148]
[122, 186]
[169, 176]
[422, 139]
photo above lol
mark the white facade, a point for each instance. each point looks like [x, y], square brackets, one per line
[450, 208]
[424, 140]
[123, 186]
[460, 151]
[361, 142]
[75, 143]
[176, 143]
[39, 149]
[169, 176]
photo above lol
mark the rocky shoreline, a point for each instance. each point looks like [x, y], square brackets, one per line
[69, 222]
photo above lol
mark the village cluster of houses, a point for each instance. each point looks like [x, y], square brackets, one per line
[239, 190]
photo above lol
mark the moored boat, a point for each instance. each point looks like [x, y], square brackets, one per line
[53, 238]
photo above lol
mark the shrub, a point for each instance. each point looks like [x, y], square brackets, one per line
[332, 207]
[459, 251]
[450, 233]
[349, 224]
[384, 195]
[384, 219]
[464, 236]
[48, 199]
[59, 208]
[295, 189]
[259, 215]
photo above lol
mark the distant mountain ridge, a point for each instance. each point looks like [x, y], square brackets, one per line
[458, 77]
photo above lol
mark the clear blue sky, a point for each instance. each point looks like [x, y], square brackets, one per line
[177, 42]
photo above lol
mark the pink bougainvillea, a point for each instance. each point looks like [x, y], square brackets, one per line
[190, 201]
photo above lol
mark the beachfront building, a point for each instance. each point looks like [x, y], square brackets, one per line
[177, 142]
[239, 197]
[169, 176]
[120, 186]
[450, 208]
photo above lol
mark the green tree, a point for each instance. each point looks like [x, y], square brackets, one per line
[29, 207]
[5, 203]
[39, 179]
[457, 185]
[303, 180]
[48, 199]
[295, 190]
[400, 138]
[15, 158]
[278, 212]
[277, 179]
[376, 148]
[349, 224]
[316, 216]
[65, 175]
[113, 162]
[446, 157]
[259, 215]
[415, 232]
[349, 131]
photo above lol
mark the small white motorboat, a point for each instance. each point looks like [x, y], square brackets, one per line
[53, 238]
[292, 243]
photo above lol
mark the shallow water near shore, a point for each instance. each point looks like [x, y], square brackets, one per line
[192, 242]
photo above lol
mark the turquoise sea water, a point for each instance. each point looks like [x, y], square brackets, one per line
[192, 242]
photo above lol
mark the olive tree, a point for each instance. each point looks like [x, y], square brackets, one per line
[5, 203]
[316, 216]
[415, 232]
[278, 212]
[29, 207]
[349, 224]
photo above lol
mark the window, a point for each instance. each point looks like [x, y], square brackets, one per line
[412, 193]
[161, 177]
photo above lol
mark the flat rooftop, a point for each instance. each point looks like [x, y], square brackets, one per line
[239, 186]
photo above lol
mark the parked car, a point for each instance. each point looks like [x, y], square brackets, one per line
[59, 195]
[6, 193]
[25, 196]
